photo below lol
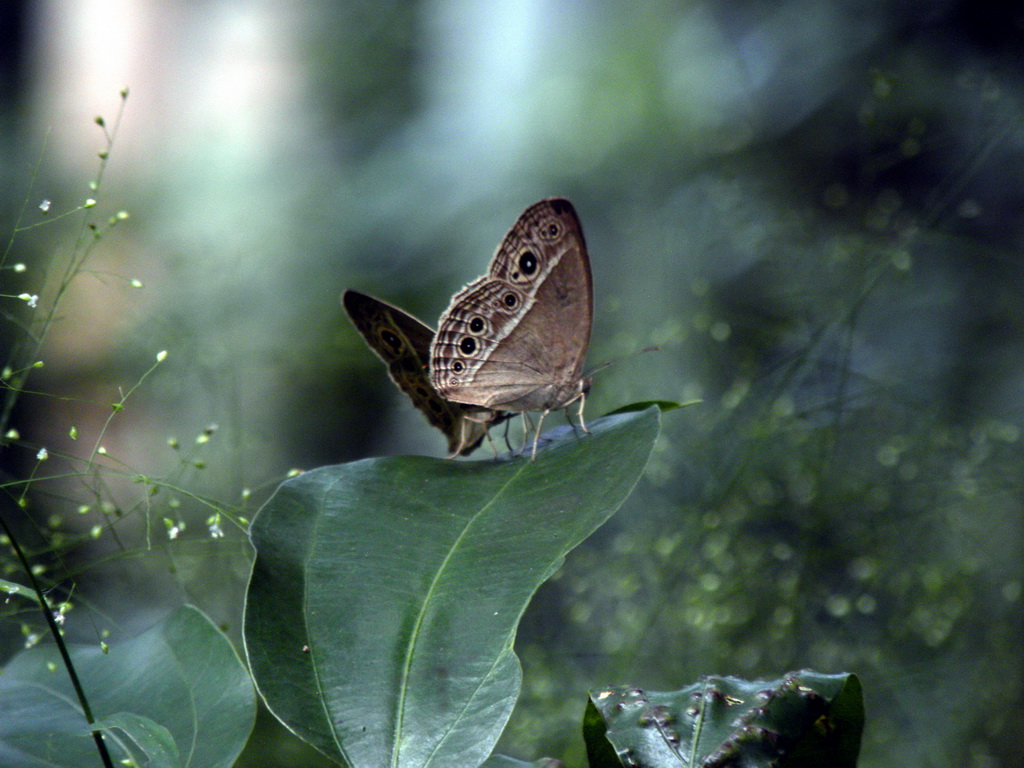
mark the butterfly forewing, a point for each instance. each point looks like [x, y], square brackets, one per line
[403, 343]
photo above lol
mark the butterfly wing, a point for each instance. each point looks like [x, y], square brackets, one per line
[403, 343]
[516, 339]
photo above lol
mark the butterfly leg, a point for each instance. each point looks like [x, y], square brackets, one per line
[462, 442]
[508, 443]
[536, 436]
[527, 428]
[490, 441]
[583, 424]
[487, 432]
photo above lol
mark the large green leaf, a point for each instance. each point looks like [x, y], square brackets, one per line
[801, 720]
[386, 593]
[177, 695]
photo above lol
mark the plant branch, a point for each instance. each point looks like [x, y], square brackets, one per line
[97, 736]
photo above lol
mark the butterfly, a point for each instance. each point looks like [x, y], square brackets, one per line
[516, 338]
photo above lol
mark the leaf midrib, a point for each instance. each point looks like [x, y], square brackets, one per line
[407, 667]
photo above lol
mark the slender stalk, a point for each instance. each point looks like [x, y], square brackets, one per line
[97, 736]
[88, 236]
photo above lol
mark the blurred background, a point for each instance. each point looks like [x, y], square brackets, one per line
[816, 208]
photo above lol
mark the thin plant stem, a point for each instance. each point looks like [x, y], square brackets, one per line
[83, 700]
[80, 254]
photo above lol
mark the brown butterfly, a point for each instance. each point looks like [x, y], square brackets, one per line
[403, 343]
[516, 338]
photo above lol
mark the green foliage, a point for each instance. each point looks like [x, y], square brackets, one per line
[503, 761]
[804, 719]
[818, 221]
[663, 405]
[177, 695]
[386, 593]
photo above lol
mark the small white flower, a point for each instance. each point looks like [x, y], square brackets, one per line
[172, 532]
[43, 454]
[19, 267]
[29, 298]
[216, 532]
[58, 618]
[45, 206]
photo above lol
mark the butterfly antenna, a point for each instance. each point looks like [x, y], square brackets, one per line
[592, 371]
